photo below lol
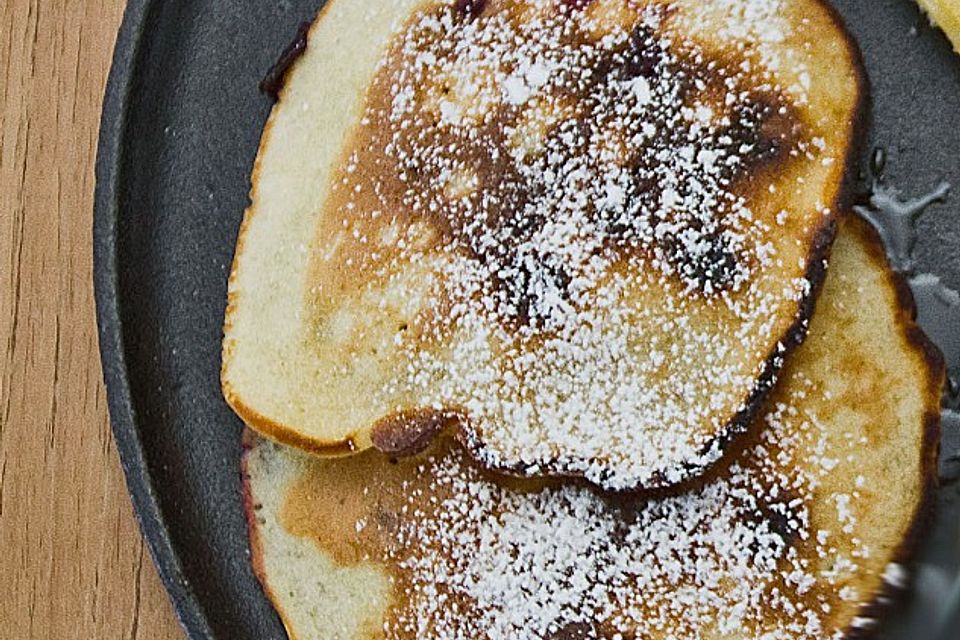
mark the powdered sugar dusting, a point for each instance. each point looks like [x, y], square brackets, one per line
[607, 295]
[740, 556]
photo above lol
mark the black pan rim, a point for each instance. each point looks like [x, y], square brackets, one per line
[146, 507]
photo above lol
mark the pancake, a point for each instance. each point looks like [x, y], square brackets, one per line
[946, 15]
[583, 236]
[802, 537]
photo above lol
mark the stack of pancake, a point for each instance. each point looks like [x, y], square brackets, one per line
[548, 322]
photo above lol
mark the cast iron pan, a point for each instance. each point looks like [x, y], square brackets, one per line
[181, 124]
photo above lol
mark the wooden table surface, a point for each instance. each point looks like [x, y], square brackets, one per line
[72, 562]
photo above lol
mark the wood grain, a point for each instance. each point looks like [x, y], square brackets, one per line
[73, 564]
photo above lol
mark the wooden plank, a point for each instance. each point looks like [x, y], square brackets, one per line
[73, 562]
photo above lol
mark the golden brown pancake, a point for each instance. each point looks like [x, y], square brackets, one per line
[801, 537]
[582, 235]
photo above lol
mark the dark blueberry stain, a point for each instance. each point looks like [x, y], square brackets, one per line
[272, 83]
[471, 8]
[643, 56]
[576, 631]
